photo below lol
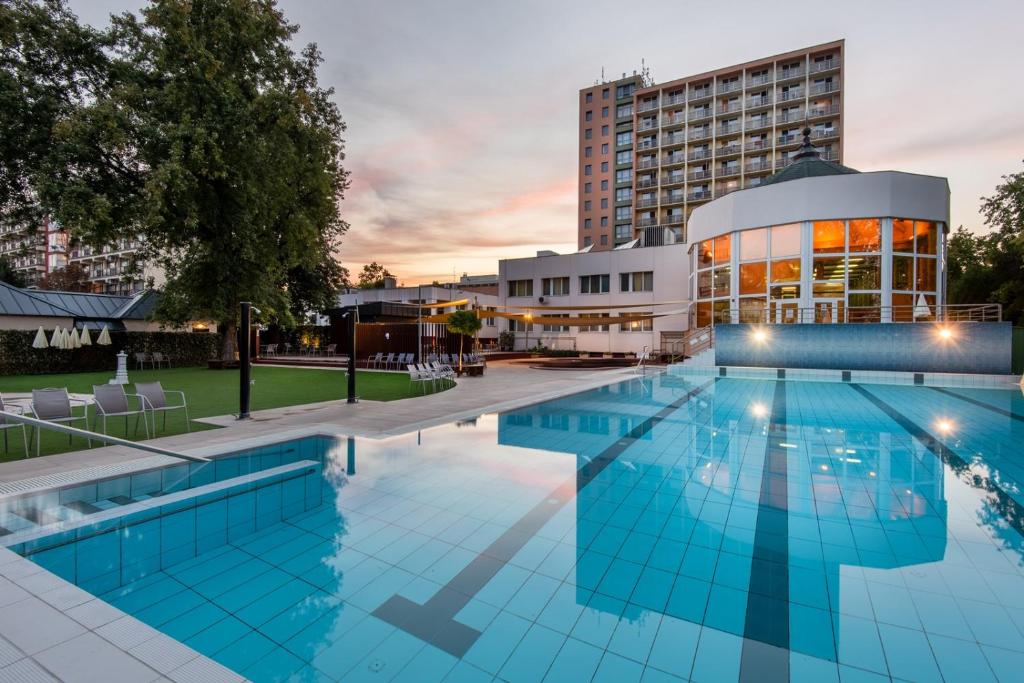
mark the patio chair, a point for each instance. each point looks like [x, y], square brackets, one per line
[159, 359]
[156, 401]
[112, 401]
[388, 361]
[6, 425]
[54, 405]
[271, 350]
[443, 370]
[375, 359]
[331, 350]
[141, 358]
[287, 349]
[418, 375]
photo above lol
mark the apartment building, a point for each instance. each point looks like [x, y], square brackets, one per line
[110, 269]
[34, 252]
[651, 153]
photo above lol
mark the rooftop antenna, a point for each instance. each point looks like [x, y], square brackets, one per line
[602, 74]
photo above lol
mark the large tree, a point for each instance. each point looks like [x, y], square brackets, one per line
[372, 276]
[214, 142]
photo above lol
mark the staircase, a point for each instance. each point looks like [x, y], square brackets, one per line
[694, 347]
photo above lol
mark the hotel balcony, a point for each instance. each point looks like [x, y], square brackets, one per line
[673, 179]
[699, 134]
[646, 144]
[824, 134]
[646, 222]
[790, 117]
[647, 125]
[728, 150]
[673, 139]
[699, 175]
[791, 95]
[673, 219]
[647, 106]
[669, 120]
[822, 67]
[727, 171]
[758, 102]
[757, 167]
[728, 109]
[672, 198]
[818, 112]
[698, 154]
[788, 140]
[729, 129]
[722, 191]
[698, 94]
[700, 114]
[759, 123]
[659, 236]
[698, 196]
[647, 203]
[647, 163]
[726, 88]
[824, 88]
[754, 182]
[755, 81]
[625, 118]
[789, 74]
[673, 160]
[646, 182]
[670, 100]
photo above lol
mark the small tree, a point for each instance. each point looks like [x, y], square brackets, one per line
[372, 276]
[463, 323]
[70, 278]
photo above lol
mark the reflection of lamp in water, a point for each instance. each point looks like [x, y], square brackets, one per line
[944, 426]
[350, 468]
[759, 409]
[945, 333]
[760, 335]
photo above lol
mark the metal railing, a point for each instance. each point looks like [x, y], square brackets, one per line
[833, 314]
[97, 436]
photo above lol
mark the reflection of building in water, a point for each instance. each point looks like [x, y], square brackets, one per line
[855, 497]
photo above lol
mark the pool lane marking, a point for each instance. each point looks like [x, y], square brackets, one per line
[765, 653]
[1009, 509]
[434, 620]
[980, 404]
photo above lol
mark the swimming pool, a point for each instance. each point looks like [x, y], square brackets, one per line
[659, 529]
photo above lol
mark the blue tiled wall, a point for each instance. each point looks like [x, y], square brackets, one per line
[977, 348]
[107, 554]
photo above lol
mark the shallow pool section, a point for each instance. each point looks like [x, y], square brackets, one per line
[660, 529]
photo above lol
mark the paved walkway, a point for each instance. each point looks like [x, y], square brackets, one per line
[505, 386]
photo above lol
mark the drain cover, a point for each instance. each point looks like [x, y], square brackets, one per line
[376, 665]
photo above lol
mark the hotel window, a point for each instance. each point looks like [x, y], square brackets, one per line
[623, 110]
[594, 328]
[520, 287]
[590, 97]
[624, 176]
[645, 325]
[586, 205]
[588, 152]
[604, 131]
[604, 221]
[624, 138]
[604, 148]
[588, 223]
[588, 170]
[556, 328]
[518, 325]
[829, 237]
[604, 202]
[623, 194]
[622, 91]
[588, 188]
[604, 112]
[594, 284]
[588, 133]
[623, 157]
[555, 286]
[623, 213]
[604, 184]
[637, 282]
[604, 239]
[589, 116]
[605, 93]
[623, 232]
[604, 167]
[587, 241]
[753, 278]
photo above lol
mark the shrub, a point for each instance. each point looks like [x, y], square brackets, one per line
[17, 357]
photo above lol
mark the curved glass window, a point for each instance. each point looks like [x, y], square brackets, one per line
[786, 240]
[829, 237]
[754, 244]
[786, 270]
[865, 235]
[722, 244]
[903, 235]
[926, 237]
[754, 277]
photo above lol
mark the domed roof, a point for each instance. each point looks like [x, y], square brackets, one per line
[807, 163]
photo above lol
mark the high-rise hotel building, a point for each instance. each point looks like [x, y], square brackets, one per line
[651, 153]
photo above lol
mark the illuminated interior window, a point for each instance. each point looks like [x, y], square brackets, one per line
[722, 280]
[704, 254]
[865, 272]
[722, 244]
[830, 268]
[865, 235]
[753, 277]
[786, 270]
[902, 272]
[903, 235]
[926, 237]
[829, 237]
[925, 280]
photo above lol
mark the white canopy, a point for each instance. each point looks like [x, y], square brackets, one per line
[40, 341]
[84, 339]
[104, 338]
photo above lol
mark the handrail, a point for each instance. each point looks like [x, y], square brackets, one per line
[86, 434]
[900, 314]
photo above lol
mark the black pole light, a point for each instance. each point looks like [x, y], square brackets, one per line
[245, 362]
[352, 315]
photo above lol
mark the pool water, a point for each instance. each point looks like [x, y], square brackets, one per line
[659, 529]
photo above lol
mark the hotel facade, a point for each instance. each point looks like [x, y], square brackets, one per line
[649, 154]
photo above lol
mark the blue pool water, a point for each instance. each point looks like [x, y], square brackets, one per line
[660, 529]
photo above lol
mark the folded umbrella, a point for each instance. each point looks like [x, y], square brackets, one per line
[40, 341]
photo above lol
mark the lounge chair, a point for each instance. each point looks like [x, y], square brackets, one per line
[6, 425]
[112, 401]
[141, 358]
[156, 401]
[331, 350]
[54, 405]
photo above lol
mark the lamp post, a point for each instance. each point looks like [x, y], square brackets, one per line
[245, 362]
[352, 316]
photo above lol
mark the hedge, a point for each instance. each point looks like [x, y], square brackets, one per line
[17, 357]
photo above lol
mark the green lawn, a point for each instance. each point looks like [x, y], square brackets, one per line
[209, 392]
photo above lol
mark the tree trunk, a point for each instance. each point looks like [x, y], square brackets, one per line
[230, 347]
[461, 337]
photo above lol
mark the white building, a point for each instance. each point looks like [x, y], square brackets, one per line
[637, 278]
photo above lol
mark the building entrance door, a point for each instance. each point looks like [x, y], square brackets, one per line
[784, 312]
[829, 311]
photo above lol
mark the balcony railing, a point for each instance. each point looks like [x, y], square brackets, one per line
[698, 196]
[647, 203]
[673, 198]
[820, 133]
[673, 219]
[726, 150]
[670, 120]
[733, 86]
[673, 139]
[647, 125]
[826, 65]
[730, 129]
[647, 106]
[698, 154]
[729, 108]
[755, 102]
[673, 179]
[828, 110]
[754, 182]
[700, 114]
[791, 116]
[647, 144]
[674, 99]
[646, 182]
[702, 174]
[755, 81]
[792, 139]
[757, 166]
[700, 93]
[788, 74]
[824, 88]
[790, 95]
[699, 134]
[727, 171]
[757, 145]
[672, 160]
[646, 221]
[647, 163]
[759, 122]
[722, 191]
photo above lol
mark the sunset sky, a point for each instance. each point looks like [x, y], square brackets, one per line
[462, 115]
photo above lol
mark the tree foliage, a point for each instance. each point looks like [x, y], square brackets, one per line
[464, 323]
[207, 135]
[9, 275]
[70, 278]
[372, 276]
[990, 267]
